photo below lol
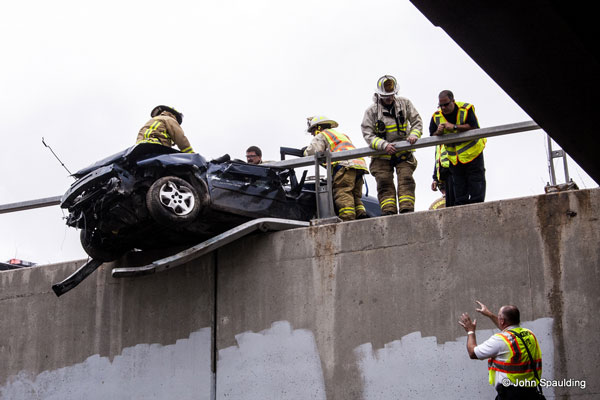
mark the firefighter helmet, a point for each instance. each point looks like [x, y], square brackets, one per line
[317, 120]
[387, 86]
[158, 109]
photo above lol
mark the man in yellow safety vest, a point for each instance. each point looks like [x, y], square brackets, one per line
[466, 158]
[347, 174]
[515, 358]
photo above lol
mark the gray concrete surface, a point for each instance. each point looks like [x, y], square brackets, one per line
[118, 339]
[358, 310]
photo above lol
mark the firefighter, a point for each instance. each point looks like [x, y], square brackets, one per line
[347, 174]
[165, 128]
[389, 119]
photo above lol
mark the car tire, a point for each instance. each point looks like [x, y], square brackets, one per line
[173, 201]
[98, 249]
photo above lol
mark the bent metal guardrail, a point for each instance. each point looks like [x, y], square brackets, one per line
[324, 198]
[30, 204]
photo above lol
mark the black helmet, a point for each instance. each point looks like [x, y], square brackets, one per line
[158, 109]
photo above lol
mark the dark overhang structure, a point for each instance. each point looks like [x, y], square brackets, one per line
[544, 54]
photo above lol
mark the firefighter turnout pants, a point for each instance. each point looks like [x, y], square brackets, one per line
[347, 191]
[383, 171]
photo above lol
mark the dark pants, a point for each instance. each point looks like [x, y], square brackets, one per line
[469, 181]
[516, 393]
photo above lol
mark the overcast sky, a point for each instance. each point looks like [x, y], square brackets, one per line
[85, 76]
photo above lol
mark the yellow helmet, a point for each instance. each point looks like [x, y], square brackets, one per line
[387, 86]
[317, 120]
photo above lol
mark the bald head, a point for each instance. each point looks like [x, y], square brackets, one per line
[510, 314]
[446, 93]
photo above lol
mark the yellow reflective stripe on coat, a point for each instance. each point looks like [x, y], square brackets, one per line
[462, 152]
[151, 129]
[394, 128]
[416, 132]
[360, 208]
[187, 150]
[149, 140]
[375, 143]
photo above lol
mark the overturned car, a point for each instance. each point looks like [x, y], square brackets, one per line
[151, 196]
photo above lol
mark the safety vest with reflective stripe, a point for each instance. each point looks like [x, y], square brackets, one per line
[462, 152]
[340, 142]
[441, 159]
[518, 367]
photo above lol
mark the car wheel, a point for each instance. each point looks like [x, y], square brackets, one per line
[173, 201]
[97, 248]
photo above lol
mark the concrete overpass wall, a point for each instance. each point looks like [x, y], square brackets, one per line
[148, 338]
[359, 310]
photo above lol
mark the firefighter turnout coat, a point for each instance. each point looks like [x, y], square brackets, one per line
[394, 127]
[164, 129]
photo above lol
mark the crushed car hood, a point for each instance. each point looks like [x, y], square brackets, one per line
[142, 150]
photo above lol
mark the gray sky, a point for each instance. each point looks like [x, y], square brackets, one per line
[85, 77]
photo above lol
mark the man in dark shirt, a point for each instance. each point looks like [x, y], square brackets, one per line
[254, 155]
[466, 164]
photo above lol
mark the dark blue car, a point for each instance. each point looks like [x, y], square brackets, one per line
[150, 196]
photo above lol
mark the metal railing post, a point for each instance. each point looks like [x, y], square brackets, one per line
[317, 184]
[551, 162]
[324, 194]
[552, 154]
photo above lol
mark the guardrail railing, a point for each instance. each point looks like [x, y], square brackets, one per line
[325, 209]
[30, 204]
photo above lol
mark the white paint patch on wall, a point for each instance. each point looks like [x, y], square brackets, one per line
[418, 367]
[145, 371]
[277, 363]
